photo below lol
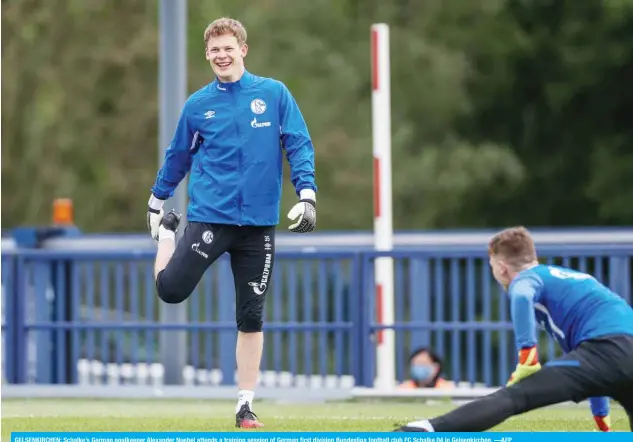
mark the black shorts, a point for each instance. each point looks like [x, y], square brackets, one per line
[596, 368]
[252, 251]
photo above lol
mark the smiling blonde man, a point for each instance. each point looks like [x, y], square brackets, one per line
[231, 137]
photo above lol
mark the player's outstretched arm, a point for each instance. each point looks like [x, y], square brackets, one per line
[177, 164]
[522, 294]
[300, 154]
[600, 410]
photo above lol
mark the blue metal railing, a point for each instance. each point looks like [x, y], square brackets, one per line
[65, 311]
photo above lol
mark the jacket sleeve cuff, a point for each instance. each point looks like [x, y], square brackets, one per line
[307, 194]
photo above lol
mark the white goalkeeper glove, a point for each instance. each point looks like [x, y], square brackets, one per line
[154, 215]
[304, 212]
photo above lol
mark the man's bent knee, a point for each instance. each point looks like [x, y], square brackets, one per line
[172, 297]
[170, 293]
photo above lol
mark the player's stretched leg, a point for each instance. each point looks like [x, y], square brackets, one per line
[551, 385]
[252, 260]
[179, 268]
[594, 369]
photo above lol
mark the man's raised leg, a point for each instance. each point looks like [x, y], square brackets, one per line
[179, 268]
[166, 241]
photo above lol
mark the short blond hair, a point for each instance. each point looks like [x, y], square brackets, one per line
[225, 26]
[513, 245]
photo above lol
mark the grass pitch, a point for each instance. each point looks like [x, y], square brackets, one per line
[209, 416]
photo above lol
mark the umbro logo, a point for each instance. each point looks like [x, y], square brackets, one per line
[209, 114]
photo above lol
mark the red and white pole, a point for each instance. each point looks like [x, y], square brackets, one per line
[383, 226]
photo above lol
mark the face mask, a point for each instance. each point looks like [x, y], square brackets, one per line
[422, 372]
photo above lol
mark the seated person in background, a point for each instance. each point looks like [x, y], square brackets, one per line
[425, 368]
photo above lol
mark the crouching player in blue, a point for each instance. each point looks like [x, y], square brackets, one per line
[231, 138]
[593, 326]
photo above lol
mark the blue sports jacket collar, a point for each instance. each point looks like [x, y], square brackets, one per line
[246, 80]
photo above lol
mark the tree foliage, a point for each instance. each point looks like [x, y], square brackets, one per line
[503, 111]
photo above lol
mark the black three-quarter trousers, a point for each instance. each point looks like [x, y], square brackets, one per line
[252, 251]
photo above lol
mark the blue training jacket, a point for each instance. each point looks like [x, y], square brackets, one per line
[230, 137]
[572, 307]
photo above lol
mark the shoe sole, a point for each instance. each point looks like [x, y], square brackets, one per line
[249, 424]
